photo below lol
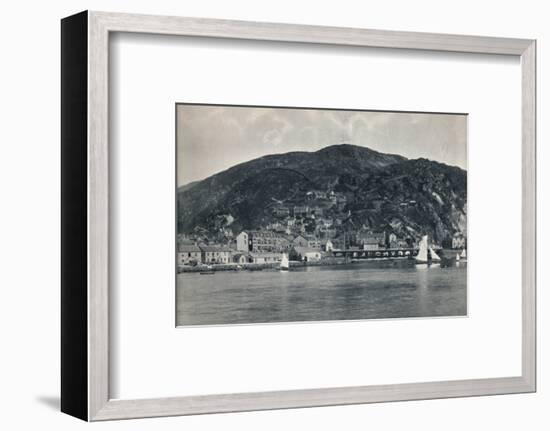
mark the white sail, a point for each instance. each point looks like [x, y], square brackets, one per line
[463, 254]
[284, 262]
[434, 255]
[422, 255]
[457, 257]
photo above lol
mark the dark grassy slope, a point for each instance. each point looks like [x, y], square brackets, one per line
[383, 191]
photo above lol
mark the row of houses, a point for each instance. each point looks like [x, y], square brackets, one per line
[274, 241]
[267, 241]
[368, 240]
[270, 241]
[458, 241]
[191, 254]
[307, 210]
[323, 226]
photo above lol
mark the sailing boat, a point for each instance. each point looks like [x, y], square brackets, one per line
[422, 256]
[463, 254]
[284, 263]
[434, 256]
[425, 252]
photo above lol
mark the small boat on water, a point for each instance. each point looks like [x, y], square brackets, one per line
[433, 255]
[426, 254]
[207, 271]
[422, 256]
[285, 264]
[463, 255]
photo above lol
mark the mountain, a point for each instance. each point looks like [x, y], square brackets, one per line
[356, 186]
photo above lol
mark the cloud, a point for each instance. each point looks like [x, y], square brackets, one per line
[272, 137]
[214, 138]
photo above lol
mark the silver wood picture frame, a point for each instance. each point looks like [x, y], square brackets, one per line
[85, 215]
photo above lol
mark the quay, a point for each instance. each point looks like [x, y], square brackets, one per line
[328, 261]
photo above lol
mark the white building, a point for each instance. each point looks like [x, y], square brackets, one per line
[459, 241]
[313, 241]
[308, 254]
[189, 254]
[215, 254]
[240, 258]
[242, 241]
[265, 257]
[371, 244]
[328, 245]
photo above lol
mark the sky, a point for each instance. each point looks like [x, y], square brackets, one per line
[211, 139]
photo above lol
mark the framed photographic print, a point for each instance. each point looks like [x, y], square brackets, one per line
[260, 216]
[305, 222]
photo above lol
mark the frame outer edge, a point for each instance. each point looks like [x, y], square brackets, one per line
[268, 31]
[229, 403]
[529, 246]
[74, 347]
[100, 406]
[98, 208]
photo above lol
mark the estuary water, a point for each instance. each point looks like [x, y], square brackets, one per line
[370, 290]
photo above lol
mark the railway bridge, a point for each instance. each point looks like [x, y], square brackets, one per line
[388, 253]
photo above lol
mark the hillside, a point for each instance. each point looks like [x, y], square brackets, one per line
[354, 187]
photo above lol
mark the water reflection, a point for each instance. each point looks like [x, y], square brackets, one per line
[356, 291]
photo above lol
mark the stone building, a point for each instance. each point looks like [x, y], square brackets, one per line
[189, 254]
[215, 254]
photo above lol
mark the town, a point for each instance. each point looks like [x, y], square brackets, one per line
[318, 230]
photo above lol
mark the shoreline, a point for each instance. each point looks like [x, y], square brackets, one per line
[257, 266]
[447, 255]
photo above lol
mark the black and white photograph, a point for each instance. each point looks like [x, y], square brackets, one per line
[300, 214]
[275, 215]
